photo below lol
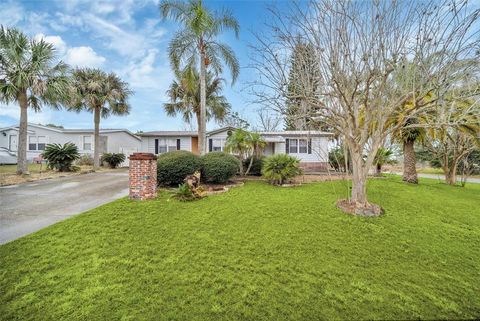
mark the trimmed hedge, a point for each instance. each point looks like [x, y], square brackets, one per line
[219, 167]
[256, 169]
[173, 167]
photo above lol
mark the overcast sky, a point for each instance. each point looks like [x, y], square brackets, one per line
[129, 38]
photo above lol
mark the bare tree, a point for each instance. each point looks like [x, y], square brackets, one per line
[268, 120]
[362, 48]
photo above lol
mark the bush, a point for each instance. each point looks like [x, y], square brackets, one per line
[173, 167]
[281, 168]
[256, 169]
[61, 157]
[85, 160]
[184, 193]
[113, 159]
[219, 167]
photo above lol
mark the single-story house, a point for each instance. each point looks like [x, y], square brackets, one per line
[311, 147]
[111, 141]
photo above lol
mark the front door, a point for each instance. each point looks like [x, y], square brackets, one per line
[13, 143]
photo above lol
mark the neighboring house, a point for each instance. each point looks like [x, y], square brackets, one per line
[311, 147]
[111, 141]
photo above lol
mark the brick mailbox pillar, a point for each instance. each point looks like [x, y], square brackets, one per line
[143, 176]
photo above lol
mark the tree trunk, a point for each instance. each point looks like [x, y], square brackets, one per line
[359, 179]
[451, 174]
[22, 165]
[378, 171]
[202, 126]
[96, 144]
[249, 165]
[409, 163]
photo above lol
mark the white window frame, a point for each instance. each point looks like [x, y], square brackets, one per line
[300, 146]
[290, 151]
[32, 145]
[167, 145]
[218, 144]
[84, 143]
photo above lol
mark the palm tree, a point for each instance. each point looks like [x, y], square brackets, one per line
[196, 44]
[408, 134]
[384, 156]
[184, 94]
[256, 144]
[103, 95]
[245, 144]
[237, 144]
[30, 77]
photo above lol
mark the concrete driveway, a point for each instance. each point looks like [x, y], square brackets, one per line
[29, 207]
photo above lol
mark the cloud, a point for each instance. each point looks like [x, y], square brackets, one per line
[56, 41]
[10, 13]
[83, 57]
[12, 111]
[145, 73]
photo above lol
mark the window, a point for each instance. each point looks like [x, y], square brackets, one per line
[293, 149]
[87, 142]
[218, 145]
[41, 142]
[166, 145]
[32, 142]
[302, 146]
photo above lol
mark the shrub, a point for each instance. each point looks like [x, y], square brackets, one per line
[256, 169]
[219, 167]
[61, 157]
[187, 193]
[113, 159]
[281, 168]
[173, 167]
[85, 160]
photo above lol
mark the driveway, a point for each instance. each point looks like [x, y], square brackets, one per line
[29, 207]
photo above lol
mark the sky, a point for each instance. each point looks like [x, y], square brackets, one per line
[127, 37]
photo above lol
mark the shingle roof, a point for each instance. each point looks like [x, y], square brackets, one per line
[169, 133]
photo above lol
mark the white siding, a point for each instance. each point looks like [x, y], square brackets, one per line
[148, 143]
[119, 141]
[319, 150]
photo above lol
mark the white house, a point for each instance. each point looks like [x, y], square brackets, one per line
[111, 141]
[311, 147]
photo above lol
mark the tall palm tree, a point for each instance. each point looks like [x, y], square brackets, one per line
[184, 94]
[30, 77]
[196, 44]
[103, 95]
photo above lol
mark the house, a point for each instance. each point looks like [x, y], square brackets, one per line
[311, 147]
[111, 141]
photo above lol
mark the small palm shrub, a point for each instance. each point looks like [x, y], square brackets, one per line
[187, 193]
[281, 168]
[85, 160]
[61, 157]
[219, 167]
[173, 167]
[256, 169]
[113, 159]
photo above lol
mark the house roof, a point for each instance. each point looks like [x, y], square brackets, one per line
[272, 136]
[297, 133]
[170, 133]
[75, 131]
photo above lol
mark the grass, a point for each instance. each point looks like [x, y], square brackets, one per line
[257, 252]
[33, 168]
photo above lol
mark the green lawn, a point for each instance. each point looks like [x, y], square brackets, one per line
[255, 253]
[33, 168]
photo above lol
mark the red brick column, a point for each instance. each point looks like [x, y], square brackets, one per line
[143, 176]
